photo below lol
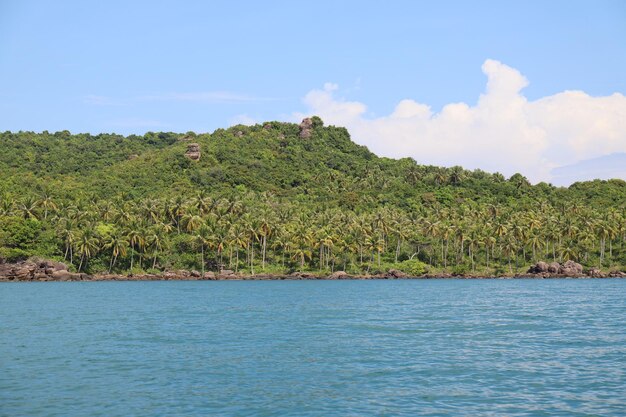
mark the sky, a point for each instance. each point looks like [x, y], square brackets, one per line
[536, 87]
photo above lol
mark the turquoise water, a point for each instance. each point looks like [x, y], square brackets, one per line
[308, 348]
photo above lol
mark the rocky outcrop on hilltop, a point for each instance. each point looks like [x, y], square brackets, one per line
[193, 151]
[306, 128]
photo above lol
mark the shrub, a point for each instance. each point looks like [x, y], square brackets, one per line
[413, 267]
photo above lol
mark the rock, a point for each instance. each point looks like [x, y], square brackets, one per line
[195, 274]
[133, 156]
[338, 275]
[239, 133]
[40, 276]
[55, 266]
[267, 126]
[306, 128]
[226, 274]
[193, 151]
[554, 267]
[595, 273]
[62, 275]
[6, 271]
[571, 268]
[210, 275]
[395, 273]
[301, 275]
[25, 272]
[539, 268]
[617, 274]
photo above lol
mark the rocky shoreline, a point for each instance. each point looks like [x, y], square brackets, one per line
[45, 270]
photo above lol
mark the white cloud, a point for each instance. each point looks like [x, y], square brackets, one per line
[503, 132]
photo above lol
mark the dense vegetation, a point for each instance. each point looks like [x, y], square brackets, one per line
[262, 199]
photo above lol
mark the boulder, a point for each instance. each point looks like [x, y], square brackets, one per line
[195, 274]
[395, 273]
[301, 275]
[553, 267]
[306, 128]
[571, 268]
[539, 268]
[62, 275]
[40, 276]
[338, 275]
[25, 271]
[193, 151]
[54, 266]
[595, 273]
[210, 275]
[239, 133]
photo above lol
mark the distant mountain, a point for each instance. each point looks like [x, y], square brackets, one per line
[604, 168]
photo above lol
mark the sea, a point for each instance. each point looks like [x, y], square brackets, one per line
[440, 347]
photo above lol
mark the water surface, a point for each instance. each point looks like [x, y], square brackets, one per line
[314, 348]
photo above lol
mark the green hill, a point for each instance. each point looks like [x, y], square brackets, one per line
[320, 202]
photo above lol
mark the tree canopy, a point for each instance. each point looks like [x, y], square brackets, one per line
[262, 199]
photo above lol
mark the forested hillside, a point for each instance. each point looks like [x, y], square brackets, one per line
[279, 197]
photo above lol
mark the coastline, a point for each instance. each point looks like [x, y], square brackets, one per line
[169, 276]
[46, 270]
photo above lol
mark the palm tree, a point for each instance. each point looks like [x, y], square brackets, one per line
[155, 241]
[510, 248]
[87, 245]
[457, 174]
[135, 240]
[118, 245]
[28, 207]
[569, 253]
[47, 203]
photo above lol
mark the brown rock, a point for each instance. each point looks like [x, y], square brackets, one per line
[595, 273]
[395, 273]
[62, 275]
[571, 268]
[539, 268]
[306, 128]
[210, 275]
[195, 274]
[25, 272]
[338, 275]
[554, 267]
[193, 151]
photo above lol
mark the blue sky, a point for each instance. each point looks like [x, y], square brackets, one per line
[131, 67]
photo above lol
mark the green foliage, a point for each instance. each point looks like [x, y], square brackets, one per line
[262, 199]
[413, 267]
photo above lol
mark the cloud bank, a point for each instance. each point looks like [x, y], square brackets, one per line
[503, 132]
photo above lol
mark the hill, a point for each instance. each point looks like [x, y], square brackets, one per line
[279, 197]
